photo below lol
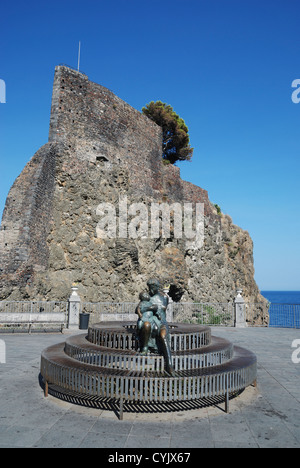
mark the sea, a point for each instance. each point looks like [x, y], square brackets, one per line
[284, 310]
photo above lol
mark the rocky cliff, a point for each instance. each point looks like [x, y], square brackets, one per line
[101, 150]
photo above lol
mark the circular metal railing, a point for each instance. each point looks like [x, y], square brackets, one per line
[105, 363]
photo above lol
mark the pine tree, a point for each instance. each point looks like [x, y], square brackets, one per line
[175, 132]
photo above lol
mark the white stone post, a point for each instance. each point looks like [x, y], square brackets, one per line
[74, 309]
[240, 310]
[169, 311]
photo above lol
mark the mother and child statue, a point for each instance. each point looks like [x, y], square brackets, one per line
[152, 326]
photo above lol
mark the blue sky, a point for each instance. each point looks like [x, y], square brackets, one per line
[226, 67]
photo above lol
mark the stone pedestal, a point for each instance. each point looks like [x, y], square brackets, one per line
[169, 311]
[240, 310]
[74, 309]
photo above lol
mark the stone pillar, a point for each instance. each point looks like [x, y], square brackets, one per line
[239, 310]
[169, 311]
[74, 309]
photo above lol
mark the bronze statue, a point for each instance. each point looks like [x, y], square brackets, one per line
[152, 324]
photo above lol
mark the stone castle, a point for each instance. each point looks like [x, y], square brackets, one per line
[99, 149]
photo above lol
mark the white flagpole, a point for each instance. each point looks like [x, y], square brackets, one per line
[78, 56]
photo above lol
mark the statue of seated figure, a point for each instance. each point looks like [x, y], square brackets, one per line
[152, 325]
[147, 319]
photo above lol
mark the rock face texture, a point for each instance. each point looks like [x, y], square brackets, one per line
[101, 150]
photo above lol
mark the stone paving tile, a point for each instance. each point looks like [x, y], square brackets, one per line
[195, 433]
[58, 438]
[111, 427]
[140, 429]
[98, 440]
[191, 442]
[20, 436]
[77, 422]
[147, 441]
[235, 444]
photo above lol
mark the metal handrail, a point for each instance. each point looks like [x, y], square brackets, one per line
[217, 314]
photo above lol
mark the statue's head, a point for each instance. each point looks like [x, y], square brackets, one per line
[144, 296]
[153, 285]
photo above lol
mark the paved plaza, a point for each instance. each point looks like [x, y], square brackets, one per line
[267, 416]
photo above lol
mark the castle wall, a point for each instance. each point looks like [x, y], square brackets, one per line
[26, 221]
